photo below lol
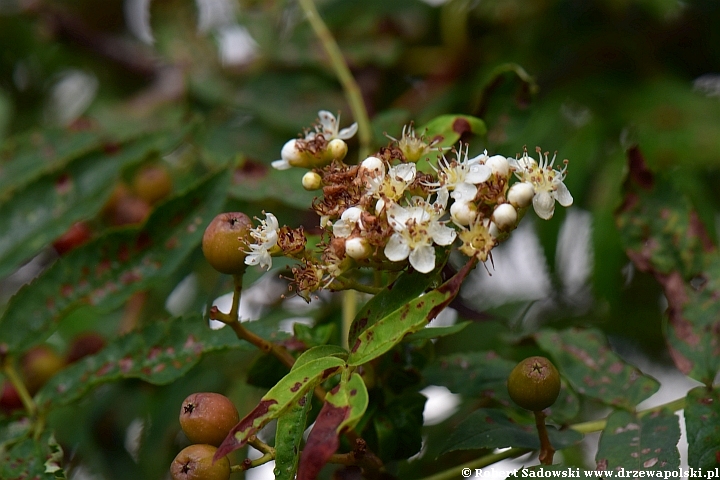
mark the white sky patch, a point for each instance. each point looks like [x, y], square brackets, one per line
[441, 404]
[253, 301]
[137, 20]
[70, 96]
[263, 472]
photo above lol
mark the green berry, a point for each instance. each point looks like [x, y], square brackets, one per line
[208, 417]
[534, 384]
[224, 242]
[196, 463]
[152, 183]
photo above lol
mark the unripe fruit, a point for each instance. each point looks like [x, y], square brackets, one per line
[130, 210]
[78, 234]
[534, 384]
[224, 242]
[196, 463]
[39, 365]
[152, 183]
[208, 417]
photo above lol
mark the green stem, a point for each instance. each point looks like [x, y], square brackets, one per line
[349, 310]
[343, 283]
[17, 382]
[339, 65]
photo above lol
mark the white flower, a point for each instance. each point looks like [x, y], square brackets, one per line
[349, 218]
[391, 186]
[289, 155]
[265, 238]
[547, 182]
[416, 228]
[479, 238]
[462, 174]
[329, 127]
[413, 147]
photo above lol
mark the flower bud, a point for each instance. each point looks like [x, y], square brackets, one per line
[521, 194]
[372, 165]
[498, 165]
[463, 213]
[337, 149]
[311, 181]
[291, 153]
[357, 248]
[505, 216]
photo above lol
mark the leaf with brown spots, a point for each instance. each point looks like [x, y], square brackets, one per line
[108, 270]
[32, 458]
[288, 436]
[702, 419]
[279, 399]
[594, 370]
[491, 428]
[639, 443]
[160, 353]
[344, 407]
[389, 330]
[663, 235]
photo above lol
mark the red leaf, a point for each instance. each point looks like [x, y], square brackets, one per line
[322, 442]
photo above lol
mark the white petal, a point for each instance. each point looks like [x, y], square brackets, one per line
[281, 164]
[352, 215]
[342, 229]
[327, 120]
[441, 234]
[404, 171]
[398, 217]
[423, 259]
[271, 221]
[464, 192]
[373, 164]
[478, 174]
[479, 159]
[396, 249]
[348, 132]
[563, 195]
[544, 205]
[442, 198]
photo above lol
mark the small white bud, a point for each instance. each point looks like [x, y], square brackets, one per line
[463, 213]
[498, 165]
[521, 194]
[505, 216]
[290, 153]
[372, 165]
[494, 231]
[337, 148]
[357, 248]
[311, 181]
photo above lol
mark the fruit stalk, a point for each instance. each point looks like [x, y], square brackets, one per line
[546, 449]
[17, 382]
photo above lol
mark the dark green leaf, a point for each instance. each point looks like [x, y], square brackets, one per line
[491, 428]
[288, 436]
[33, 459]
[321, 351]
[702, 419]
[398, 426]
[471, 374]
[160, 353]
[313, 336]
[593, 369]
[645, 443]
[108, 270]
[388, 331]
[43, 210]
[266, 370]
[255, 182]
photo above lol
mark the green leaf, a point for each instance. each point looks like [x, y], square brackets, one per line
[590, 366]
[702, 420]
[313, 336]
[160, 353]
[407, 287]
[398, 426]
[281, 397]
[321, 351]
[471, 374]
[255, 182]
[388, 331]
[288, 436]
[37, 214]
[491, 428]
[663, 235]
[639, 443]
[106, 271]
[436, 332]
[352, 394]
[33, 459]
[447, 129]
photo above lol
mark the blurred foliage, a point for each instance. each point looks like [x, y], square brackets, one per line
[91, 93]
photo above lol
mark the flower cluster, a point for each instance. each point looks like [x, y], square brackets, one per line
[391, 209]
